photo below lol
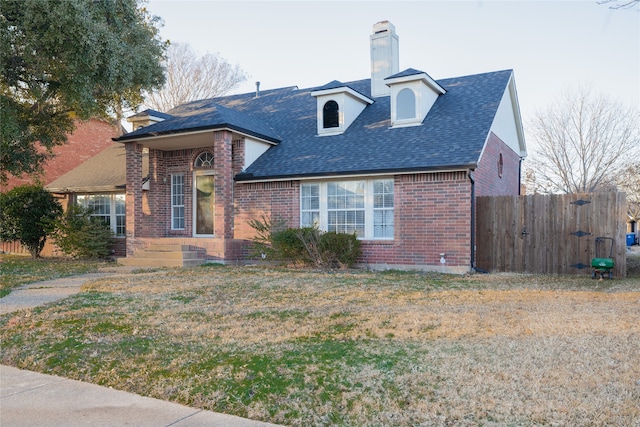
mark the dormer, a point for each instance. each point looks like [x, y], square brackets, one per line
[413, 93]
[146, 118]
[337, 107]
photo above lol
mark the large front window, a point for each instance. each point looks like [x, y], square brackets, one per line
[364, 207]
[110, 208]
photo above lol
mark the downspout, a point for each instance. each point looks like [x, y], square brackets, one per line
[520, 176]
[473, 220]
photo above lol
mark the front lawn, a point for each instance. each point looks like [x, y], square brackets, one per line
[350, 348]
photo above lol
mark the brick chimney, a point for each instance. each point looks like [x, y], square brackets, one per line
[384, 57]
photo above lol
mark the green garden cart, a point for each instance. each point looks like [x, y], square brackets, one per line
[602, 266]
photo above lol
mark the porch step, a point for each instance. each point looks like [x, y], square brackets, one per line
[164, 256]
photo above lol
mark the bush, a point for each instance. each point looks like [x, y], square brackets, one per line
[307, 245]
[262, 241]
[80, 235]
[27, 214]
[339, 250]
[288, 246]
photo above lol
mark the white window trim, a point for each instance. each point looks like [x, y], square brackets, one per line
[368, 206]
[113, 216]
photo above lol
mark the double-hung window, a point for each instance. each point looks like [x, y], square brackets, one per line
[345, 207]
[110, 208]
[310, 205]
[383, 209]
[177, 202]
[364, 207]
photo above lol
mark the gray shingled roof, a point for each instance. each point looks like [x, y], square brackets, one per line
[451, 136]
[405, 73]
[207, 115]
[150, 112]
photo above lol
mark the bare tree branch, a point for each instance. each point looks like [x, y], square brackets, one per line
[583, 143]
[191, 77]
[629, 182]
[620, 4]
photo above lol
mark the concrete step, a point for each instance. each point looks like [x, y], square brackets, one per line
[168, 248]
[160, 262]
[164, 255]
[167, 255]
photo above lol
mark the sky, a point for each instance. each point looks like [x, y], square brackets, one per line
[552, 46]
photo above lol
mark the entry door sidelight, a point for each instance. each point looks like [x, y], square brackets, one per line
[204, 201]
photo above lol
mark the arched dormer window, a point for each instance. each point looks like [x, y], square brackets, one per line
[330, 115]
[406, 104]
[204, 160]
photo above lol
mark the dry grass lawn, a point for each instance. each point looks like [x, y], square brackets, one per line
[351, 348]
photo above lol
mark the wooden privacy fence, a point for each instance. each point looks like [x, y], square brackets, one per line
[550, 234]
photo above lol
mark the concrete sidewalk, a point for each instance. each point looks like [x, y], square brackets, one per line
[35, 294]
[32, 399]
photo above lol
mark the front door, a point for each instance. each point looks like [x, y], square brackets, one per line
[204, 199]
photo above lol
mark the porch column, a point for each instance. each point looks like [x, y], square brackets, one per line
[133, 201]
[158, 196]
[223, 184]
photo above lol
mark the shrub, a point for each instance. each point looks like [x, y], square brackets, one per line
[339, 250]
[27, 214]
[80, 235]
[262, 241]
[307, 245]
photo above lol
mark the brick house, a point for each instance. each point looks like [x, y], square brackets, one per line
[398, 158]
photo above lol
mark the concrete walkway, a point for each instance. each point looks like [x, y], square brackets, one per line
[32, 399]
[35, 294]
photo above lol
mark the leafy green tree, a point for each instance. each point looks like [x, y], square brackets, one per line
[81, 235]
[27, 214]
[62, 60]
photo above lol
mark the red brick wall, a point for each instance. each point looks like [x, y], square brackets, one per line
[489, 182]
[88, 139]
[133, 195]
[222, 152]
[279, 200]
[432, 216]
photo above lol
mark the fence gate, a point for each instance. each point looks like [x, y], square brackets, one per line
[549, 234]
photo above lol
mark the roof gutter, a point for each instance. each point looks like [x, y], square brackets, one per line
[92, 189]
[203, 129]
[249, 177]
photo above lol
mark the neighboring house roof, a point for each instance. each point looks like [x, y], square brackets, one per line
[88, 139]
[104, 172]
[451, 136]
